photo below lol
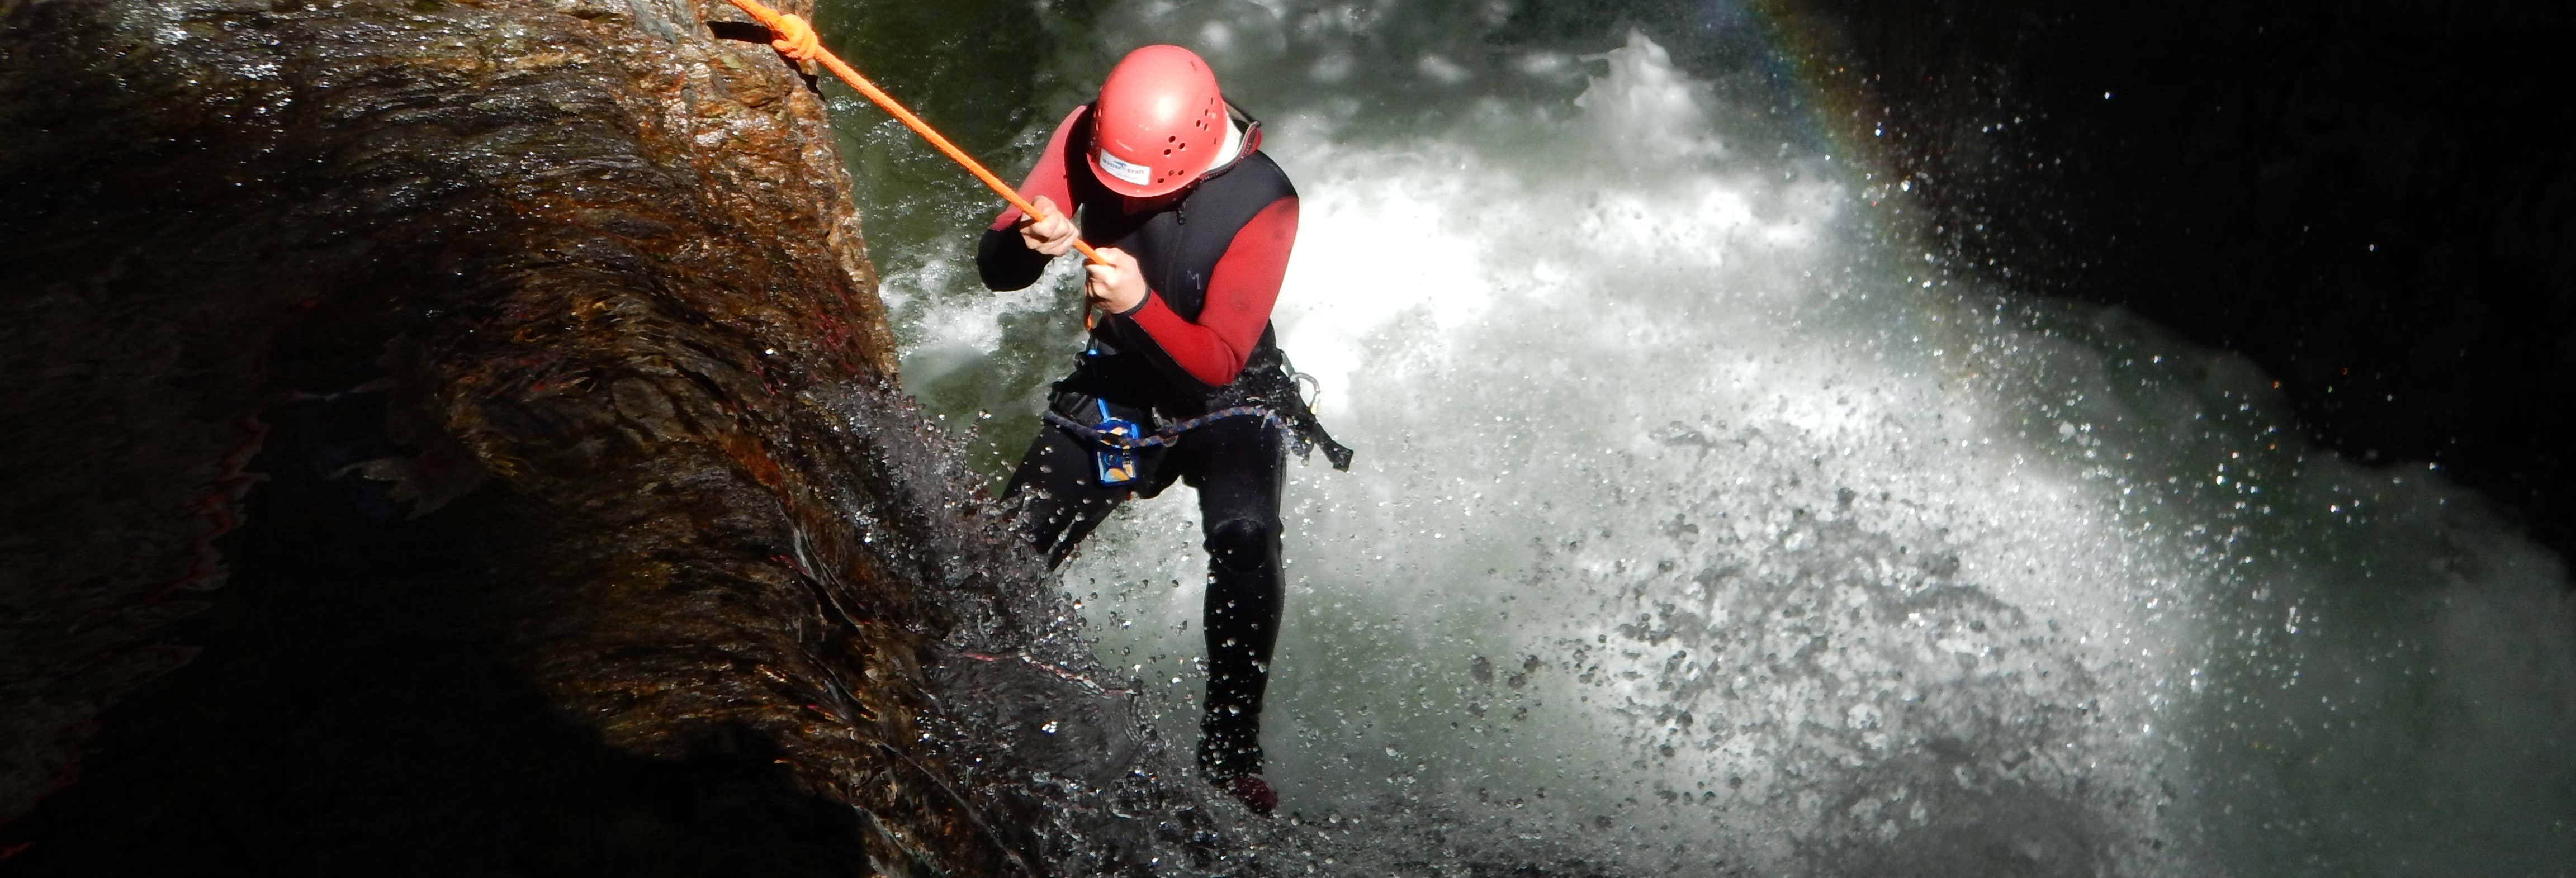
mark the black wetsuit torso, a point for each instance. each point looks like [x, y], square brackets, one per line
[1177, 248]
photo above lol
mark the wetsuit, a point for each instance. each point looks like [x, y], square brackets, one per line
[1200, 341]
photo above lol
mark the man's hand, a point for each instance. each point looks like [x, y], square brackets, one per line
[1117, 287]
[1047, 232]
[795, 39]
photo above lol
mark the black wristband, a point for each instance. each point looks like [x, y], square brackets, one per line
[1140, 305]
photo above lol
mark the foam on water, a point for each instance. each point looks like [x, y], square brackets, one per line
[1702, 523]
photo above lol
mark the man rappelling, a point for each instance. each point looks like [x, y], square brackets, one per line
[1187, 225]
[1195, 224]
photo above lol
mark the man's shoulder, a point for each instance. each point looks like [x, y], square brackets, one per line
[1070, 128]
[1264, 173]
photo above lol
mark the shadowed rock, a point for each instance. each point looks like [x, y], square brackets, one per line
[460, 438]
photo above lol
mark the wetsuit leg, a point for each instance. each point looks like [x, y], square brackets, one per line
[1237, 466]
[1059, 495]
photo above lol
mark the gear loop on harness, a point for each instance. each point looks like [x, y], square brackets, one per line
[1299, 381]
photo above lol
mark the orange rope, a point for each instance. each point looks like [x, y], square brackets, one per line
[771, 19]
[776, 23]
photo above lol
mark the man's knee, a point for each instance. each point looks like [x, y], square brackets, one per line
[1243, 545]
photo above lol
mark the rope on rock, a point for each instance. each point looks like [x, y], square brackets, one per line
[790, 28]
[778, 23]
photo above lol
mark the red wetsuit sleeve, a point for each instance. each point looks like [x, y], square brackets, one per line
[1004, 260]
[1047, 180]
[1241, 290]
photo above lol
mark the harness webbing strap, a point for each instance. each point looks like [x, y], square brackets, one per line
[1171, 433]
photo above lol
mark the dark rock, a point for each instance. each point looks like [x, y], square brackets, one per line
[459, 437]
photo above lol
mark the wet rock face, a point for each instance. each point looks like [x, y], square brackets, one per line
[458, 438]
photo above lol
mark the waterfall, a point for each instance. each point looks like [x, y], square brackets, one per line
[1705, 522]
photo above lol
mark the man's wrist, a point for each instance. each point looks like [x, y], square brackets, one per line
[1139, 306]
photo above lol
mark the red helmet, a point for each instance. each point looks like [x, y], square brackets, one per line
[1158, 124]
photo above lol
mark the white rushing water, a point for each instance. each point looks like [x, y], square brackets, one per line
[1704, 524]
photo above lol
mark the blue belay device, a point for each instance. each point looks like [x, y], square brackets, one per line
[1117, 455]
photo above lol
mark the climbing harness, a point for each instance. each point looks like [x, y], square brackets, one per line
[1118, 436]
[1109, 434]
[1170, 434]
